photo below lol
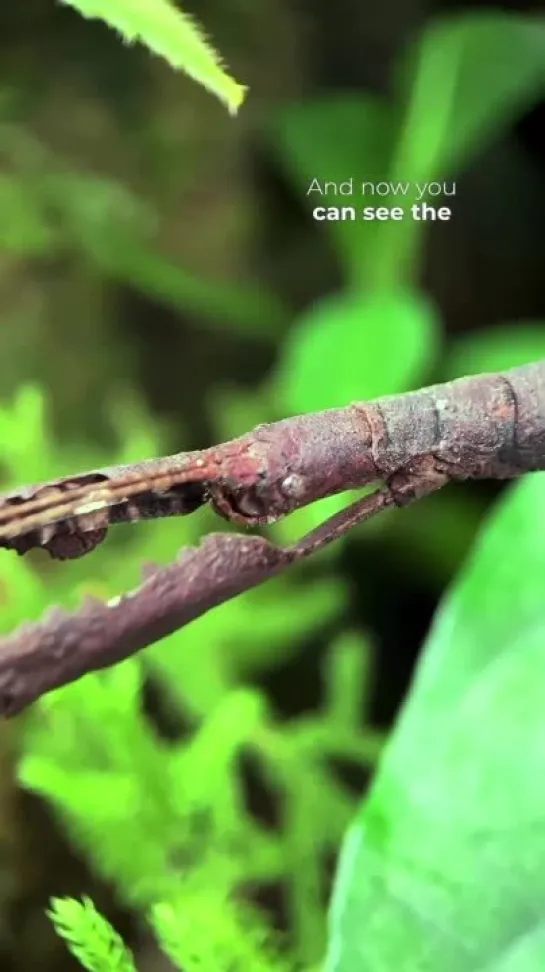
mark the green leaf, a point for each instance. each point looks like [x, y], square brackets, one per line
[495, 349]
[172, 35]
[89, 937]
[351, 347]
[526, 955]
[203, 931]
[468, 77]
[347, 678]
[365, 130]
[25, 229]
[443, 871]
[251, 311]
[463, 83]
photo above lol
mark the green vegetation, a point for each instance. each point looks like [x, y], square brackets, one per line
[441, 866]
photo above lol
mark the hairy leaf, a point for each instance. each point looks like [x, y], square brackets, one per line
[172, 35]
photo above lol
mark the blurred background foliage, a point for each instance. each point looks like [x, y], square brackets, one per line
[164, 286]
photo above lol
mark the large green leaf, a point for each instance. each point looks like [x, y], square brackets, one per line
[351, 347]
[444, 869]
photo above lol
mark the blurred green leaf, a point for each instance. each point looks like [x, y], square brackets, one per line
[114, 229]
[466, 79]
[289, 530]
[463, 83]
[25, 228]
[459, 86]
[47, 206]
[443, 871]
[242, 939]
[347, 680]
[526, 955]
[365, 130]
[251, 311]
[494, 349]
[234, 410]
[351, 347]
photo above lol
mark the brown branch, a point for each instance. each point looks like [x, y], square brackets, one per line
[489, 426]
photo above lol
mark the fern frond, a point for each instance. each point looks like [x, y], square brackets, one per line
[205, 931]
[89, 937]
[171, 34]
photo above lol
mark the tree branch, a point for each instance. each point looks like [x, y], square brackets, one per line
[489, 426]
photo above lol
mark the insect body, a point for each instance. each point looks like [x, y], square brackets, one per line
[488, 426]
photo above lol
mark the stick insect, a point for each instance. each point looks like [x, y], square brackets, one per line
[483, 427]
